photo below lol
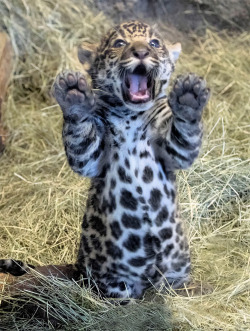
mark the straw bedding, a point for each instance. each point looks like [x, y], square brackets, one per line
[42, 201]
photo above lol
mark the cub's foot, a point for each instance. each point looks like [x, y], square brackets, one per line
[73, 94]
[188, 97]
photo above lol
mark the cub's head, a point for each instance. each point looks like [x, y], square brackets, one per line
[132, 63]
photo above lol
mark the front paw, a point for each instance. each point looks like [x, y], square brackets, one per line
[73, 94]
[188, 97]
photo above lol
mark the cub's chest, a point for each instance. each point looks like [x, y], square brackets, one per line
[132, 158]
[134, 162]
[134, 168]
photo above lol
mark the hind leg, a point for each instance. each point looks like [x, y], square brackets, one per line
[177, 276]
[174, 261]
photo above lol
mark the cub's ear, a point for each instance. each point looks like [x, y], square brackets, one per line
[87, 54]
[174, 51]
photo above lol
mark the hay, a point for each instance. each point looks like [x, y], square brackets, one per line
[76, 308]
[42, 201]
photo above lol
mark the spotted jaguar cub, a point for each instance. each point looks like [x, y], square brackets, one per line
[127, 136]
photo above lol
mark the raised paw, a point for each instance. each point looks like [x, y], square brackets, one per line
[72, 93]
[189, 96]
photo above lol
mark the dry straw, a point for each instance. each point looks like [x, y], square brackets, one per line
[42, 201]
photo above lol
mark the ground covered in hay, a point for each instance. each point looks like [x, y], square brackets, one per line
[42, 201]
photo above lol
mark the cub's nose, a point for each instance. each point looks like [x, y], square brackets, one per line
[140, 50]
[141, 53]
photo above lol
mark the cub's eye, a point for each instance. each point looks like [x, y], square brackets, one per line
[119, 43]
[154, 43]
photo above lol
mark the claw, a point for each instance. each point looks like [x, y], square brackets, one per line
[196, 88]
[71, 80]
[82, 84]
[204, 96]
[62, 83]
[178, 87]
[186, 84]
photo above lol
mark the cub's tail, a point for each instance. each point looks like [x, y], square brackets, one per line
[14, 267]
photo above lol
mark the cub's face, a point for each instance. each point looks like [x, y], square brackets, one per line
[132, 63]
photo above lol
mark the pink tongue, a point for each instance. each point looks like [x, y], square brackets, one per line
[138, 87]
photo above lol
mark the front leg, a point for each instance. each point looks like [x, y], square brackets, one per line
[179, 141]
[83, 130]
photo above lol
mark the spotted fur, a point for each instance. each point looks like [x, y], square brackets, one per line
[129, 138]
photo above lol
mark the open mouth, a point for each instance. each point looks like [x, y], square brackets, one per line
[138, 86]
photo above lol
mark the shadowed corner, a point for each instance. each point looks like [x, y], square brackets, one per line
[49, 299]
[24, 296]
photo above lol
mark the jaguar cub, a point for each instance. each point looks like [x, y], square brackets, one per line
[129, 137]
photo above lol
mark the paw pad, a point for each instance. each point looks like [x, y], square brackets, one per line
[189, 94]
[71, 89]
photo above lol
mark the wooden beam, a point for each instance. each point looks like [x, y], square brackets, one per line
[6, 66]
